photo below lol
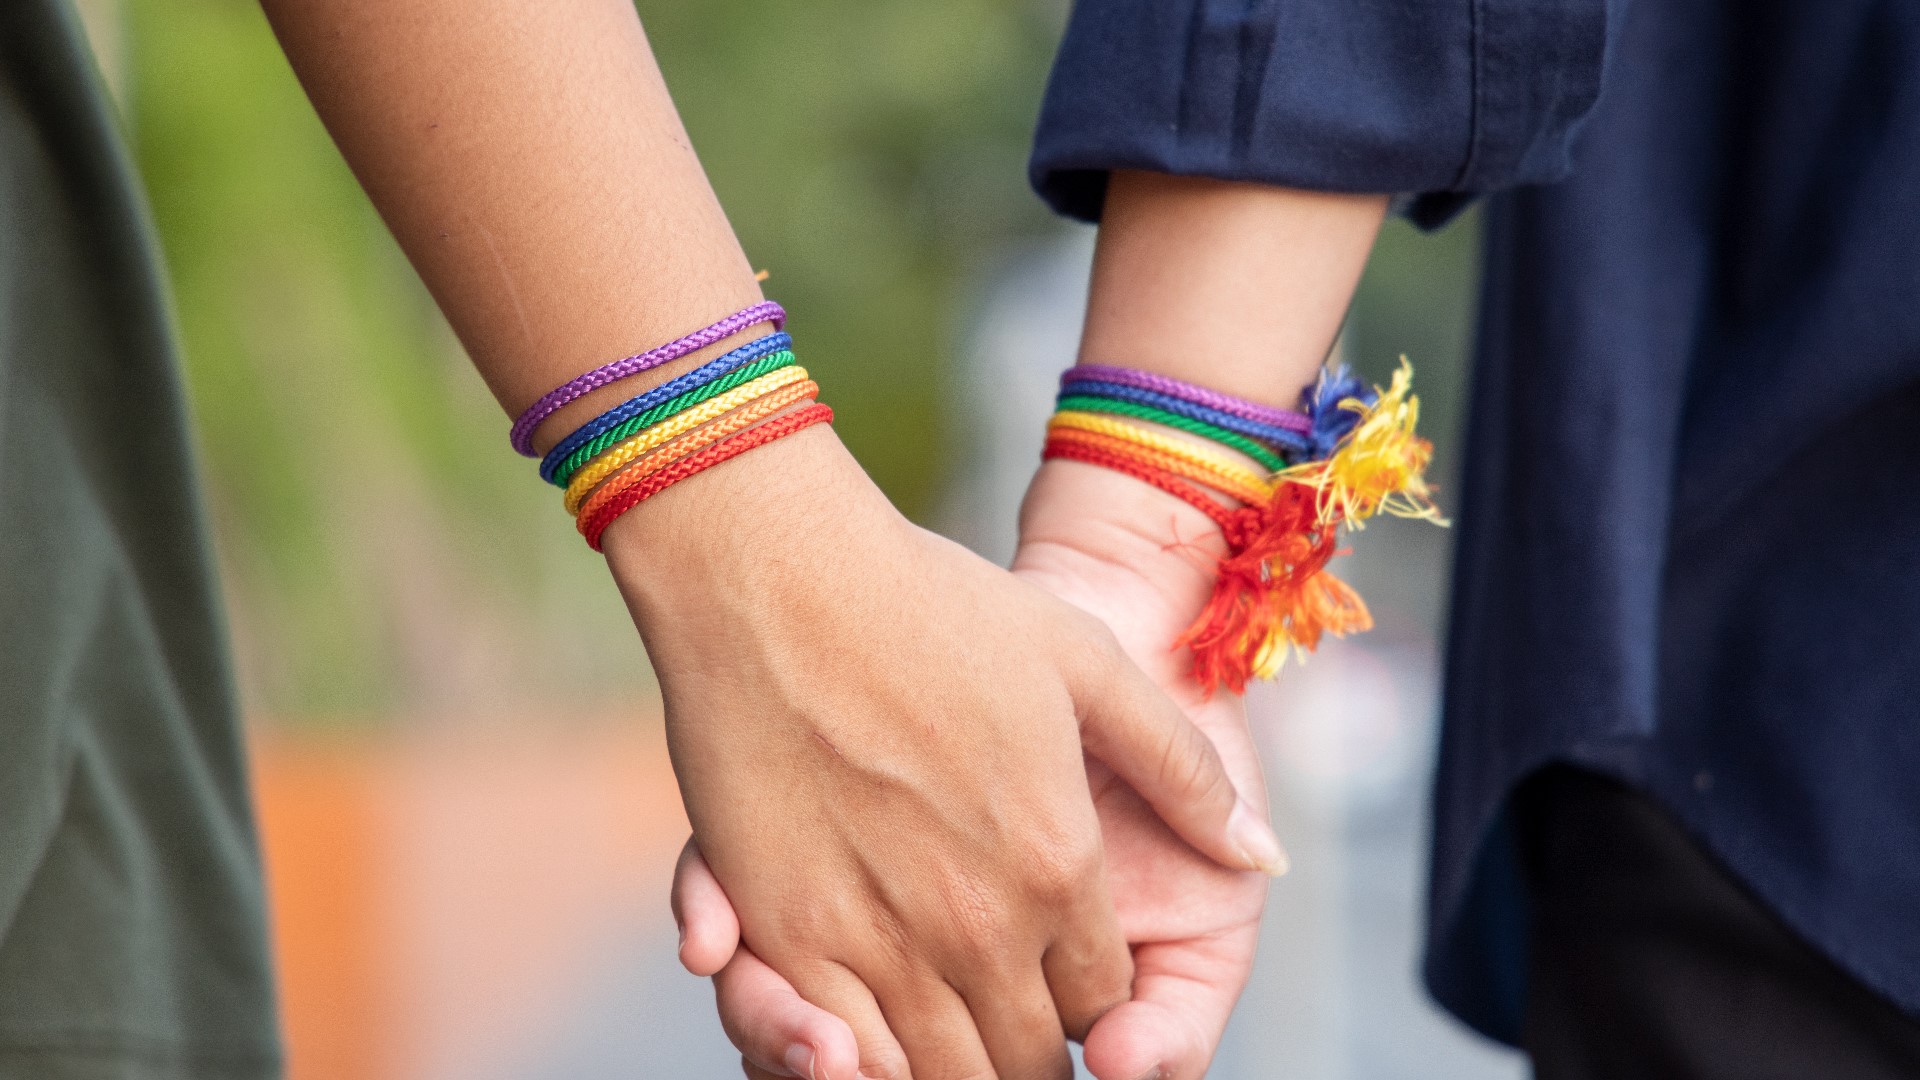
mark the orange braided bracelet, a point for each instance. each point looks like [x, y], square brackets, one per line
[1073, 450]
[1243, 485]
[730, 447]
[699, 438]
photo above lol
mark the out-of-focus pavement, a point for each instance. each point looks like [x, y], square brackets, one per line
[484, 902]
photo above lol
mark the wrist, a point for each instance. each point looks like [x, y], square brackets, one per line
[1103, 529]
[722, 541]
[1236, 286]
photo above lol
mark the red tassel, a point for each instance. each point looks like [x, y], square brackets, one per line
[1273, 593]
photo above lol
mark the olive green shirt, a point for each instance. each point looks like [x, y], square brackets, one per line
[132, 923]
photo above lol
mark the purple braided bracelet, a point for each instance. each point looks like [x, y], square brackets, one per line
[522, 434]
[1199, 395]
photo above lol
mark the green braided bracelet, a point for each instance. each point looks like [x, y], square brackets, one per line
[592, 447]
[1271, 461]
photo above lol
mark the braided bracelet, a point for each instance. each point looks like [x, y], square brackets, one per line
[1357, 456]
[1285, 437]
[623, 453]
[653, 440]
[1192, 461]
[1257, 451]
[742, 365]
[697, 439]
[522, 434]
[1199, 395]
[730, 447]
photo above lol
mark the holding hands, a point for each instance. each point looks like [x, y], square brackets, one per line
[880, 738]
[949, 816]
[1186, 272]
[1100, 541]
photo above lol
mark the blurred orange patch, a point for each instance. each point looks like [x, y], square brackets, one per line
[437, 896]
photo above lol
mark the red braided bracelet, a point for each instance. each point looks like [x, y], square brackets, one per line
[1160, 478]
[732, 446]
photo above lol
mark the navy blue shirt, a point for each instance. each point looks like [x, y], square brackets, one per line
[1689, 551]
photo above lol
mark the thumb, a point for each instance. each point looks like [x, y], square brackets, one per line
[1137, 731]
[709, 928]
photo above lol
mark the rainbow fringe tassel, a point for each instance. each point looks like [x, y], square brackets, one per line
[1274, 596]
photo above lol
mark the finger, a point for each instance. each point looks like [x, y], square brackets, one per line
[1019, 1027]
[777, 1031]
[1184, 992]
[709, 928]
[755, 1072]
[936, 1030]
[1088, 967]
[838, 991]
[1139, 733]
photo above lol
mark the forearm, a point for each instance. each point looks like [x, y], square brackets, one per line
[1238, 287]
[532, 165]
[530, 161]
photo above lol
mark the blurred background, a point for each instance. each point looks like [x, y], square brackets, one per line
[469, 817]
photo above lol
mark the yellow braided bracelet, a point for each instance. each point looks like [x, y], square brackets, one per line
[621, 454]
[689, 442]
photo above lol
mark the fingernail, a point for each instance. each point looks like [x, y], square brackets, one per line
[1250, 833]
[1155, 1073]
[800, 1061]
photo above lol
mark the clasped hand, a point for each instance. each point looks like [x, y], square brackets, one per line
[942, 800]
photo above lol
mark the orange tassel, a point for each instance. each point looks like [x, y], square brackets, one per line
[1273, 595]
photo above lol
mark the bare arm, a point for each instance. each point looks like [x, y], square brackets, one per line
[530, 162]
[1239, 287]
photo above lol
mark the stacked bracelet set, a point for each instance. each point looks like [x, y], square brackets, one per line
[650, 442]
[1349, 453]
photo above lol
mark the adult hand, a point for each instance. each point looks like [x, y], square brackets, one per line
[1139, 560]
[879, 740]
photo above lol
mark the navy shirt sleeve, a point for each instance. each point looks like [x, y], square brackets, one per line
[1438, 100]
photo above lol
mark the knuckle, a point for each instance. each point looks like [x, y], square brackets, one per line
[976, 912]
[1099, 983]
[1093, 648]
[883, 1064]
[808, 929]
[888, 931]
[1189, 766]
[1059, 864]
[1100, 996]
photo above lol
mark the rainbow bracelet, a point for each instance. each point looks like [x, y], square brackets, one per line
[1199, 395]
[681, 427]
[627, 450]
[684, 445]
[1353, 453]
[1290, 437]
[730, 447]
[1255, 450]
[747, 362]
[523, 427]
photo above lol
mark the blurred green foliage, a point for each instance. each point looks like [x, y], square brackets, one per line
[869, 153]
[1416, 300]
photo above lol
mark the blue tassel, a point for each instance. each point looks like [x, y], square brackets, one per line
[1331, 423]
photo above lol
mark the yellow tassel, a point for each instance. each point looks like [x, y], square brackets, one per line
[1380, 466]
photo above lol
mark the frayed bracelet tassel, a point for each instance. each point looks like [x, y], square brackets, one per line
[1273, 596]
